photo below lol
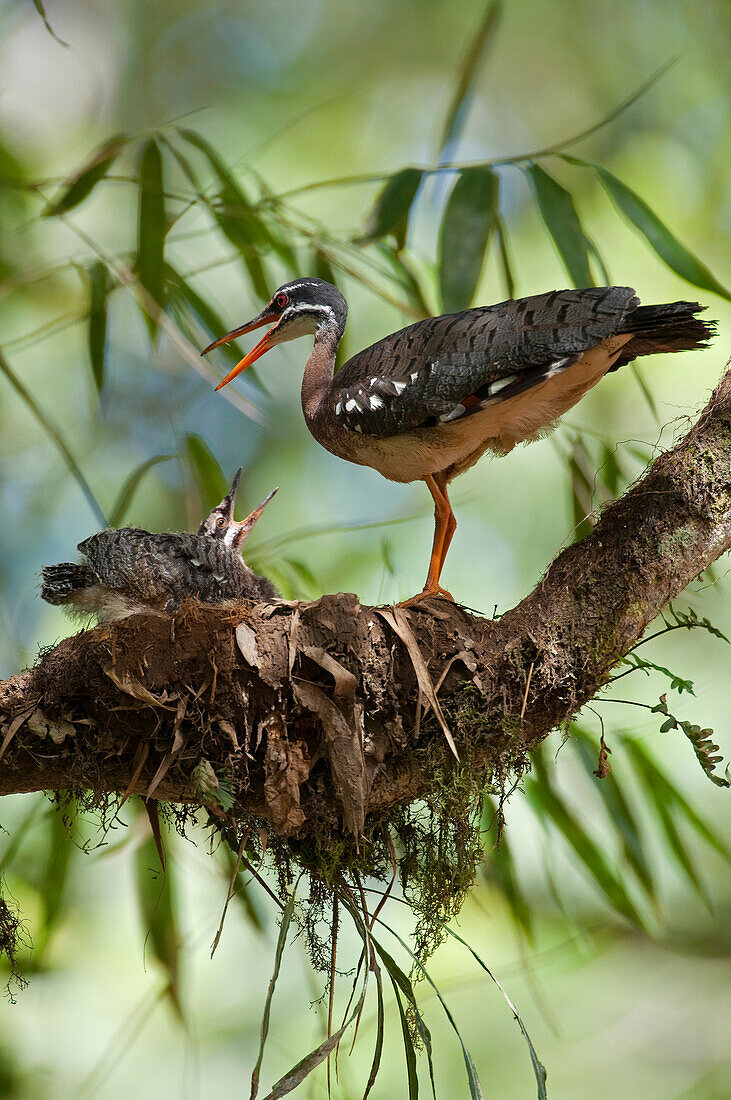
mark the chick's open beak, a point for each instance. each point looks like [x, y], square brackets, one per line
[246, 526]
[263, 346]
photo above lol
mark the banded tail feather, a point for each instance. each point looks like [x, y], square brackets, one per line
[61, 583]
[665, 328]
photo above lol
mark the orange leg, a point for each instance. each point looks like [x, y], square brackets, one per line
[444, 527]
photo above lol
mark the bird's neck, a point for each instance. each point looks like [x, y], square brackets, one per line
[319, 373]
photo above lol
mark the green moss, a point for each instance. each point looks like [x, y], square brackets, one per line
[678, 542]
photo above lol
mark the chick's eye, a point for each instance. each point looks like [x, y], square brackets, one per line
[280, 300]
[220, 522]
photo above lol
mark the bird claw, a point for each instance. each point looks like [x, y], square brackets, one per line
[437, 592]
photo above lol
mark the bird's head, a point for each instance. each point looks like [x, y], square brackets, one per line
[220, 523]
[303, 306]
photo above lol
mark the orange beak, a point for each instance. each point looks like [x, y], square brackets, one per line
[246, 526]
[263, 346]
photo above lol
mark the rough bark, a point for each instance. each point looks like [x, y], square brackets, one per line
[320, 714]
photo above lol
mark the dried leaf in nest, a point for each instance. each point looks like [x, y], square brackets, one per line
[55, 728]
[286, 766]
[246, 641]
[344, 747]
[173, 752]
[130, 686]
[399, 623]
[12, 728]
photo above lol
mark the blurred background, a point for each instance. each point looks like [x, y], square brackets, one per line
[162, 170]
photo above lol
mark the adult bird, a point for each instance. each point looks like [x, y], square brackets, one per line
[429, 400]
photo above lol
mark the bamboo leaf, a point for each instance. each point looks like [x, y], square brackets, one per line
[675, 255]
[241, 891]
[183, 294]
[473, 1080]
[129, 488]
[156, 898]
[406, 278]
[150, 265]
[390, 214]
[378, 1051]
[54, 434]
[664, 796]
[499, 867]
[264, 1030]
[400, 980]
[296, 1075]
[543, 797]
[83, 182]
[457, 113]
[645, 389]
[209, 476]
[538, 1068]
[99, 287]
[235, 215]
[559, 214]
[38, 4]
[470, 219]
[409, 1052]
[52, 886]
[506, 263]
[623, 820]
[582, 490]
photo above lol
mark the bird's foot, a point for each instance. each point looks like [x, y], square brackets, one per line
[435, 592]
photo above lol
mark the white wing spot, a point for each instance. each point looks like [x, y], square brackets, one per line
[376, 402]
[414, 376]
[400, 386]
[338, 408]
[351, 405]
[502, 383]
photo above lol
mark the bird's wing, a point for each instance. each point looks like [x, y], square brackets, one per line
[129, 559]
[447, 367]
[168, 565]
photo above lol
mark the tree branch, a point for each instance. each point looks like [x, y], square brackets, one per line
[312, 712]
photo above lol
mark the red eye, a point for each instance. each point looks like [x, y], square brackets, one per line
[280, 300]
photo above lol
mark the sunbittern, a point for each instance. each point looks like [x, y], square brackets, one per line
[128, 570]
[429, 400]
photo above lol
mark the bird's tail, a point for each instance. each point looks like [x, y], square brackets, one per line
[60, 583]
[665, 328]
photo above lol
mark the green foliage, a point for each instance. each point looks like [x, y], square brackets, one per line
[99, 287]
[390, 215]
[705, 750]
[678, 258]
[474, 58]
[130, 486]
[151, 226]
[235, 216]
[86, 177]
[558, 210]
[157, 900]
[470, 219]
[209, 477]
